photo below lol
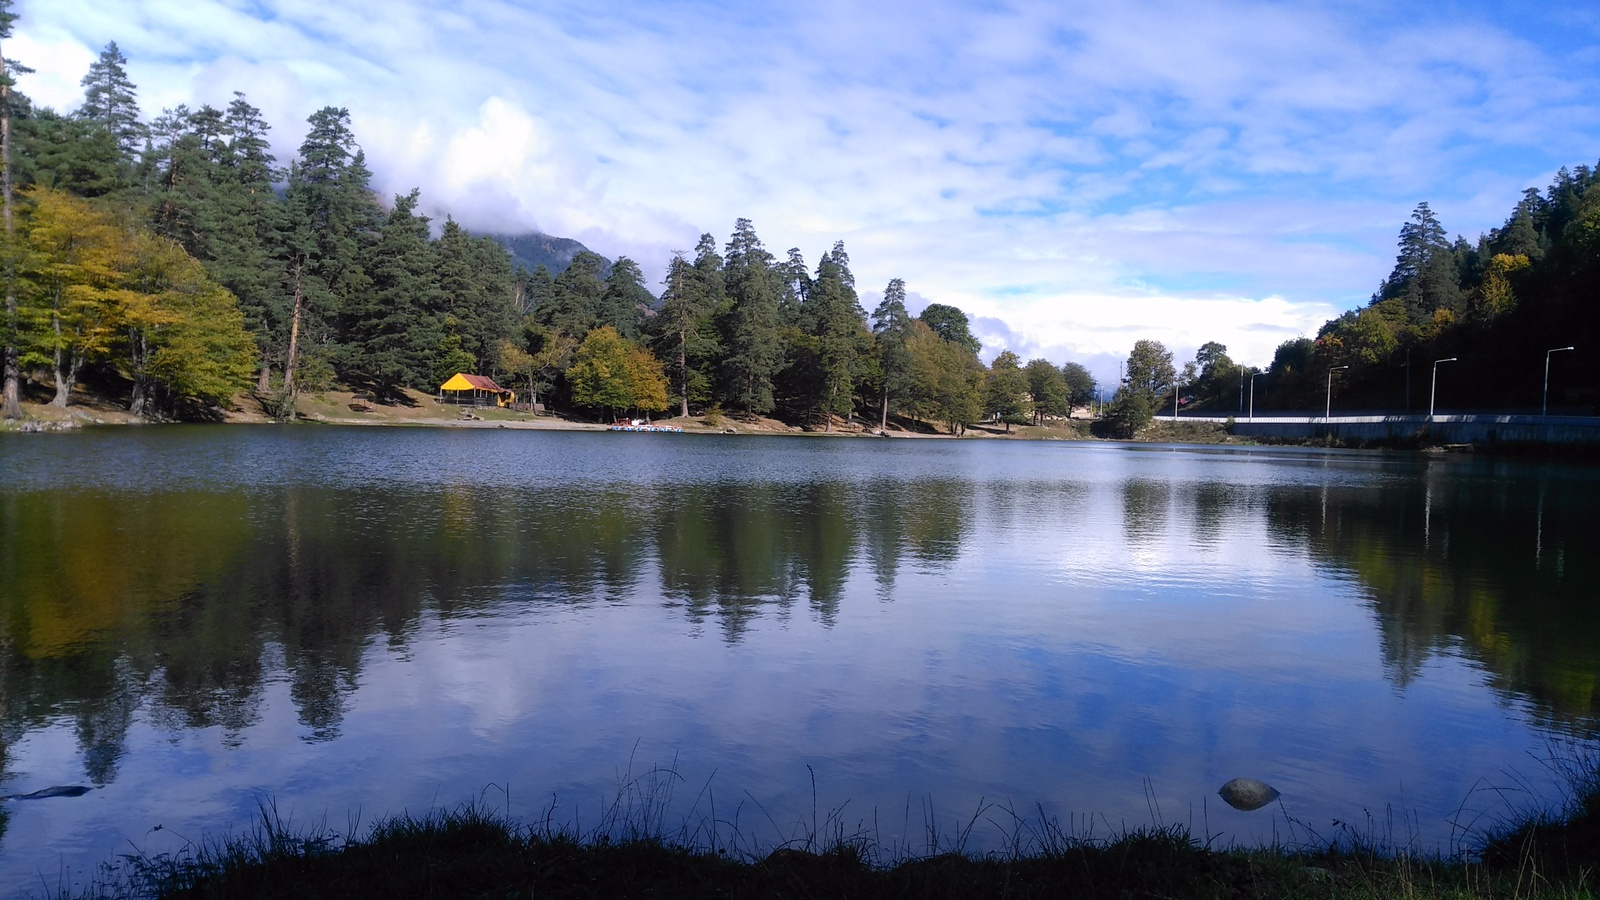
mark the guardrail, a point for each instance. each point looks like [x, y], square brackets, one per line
[1438, 429]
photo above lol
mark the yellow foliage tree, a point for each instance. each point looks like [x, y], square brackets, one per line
[611, 373]
[69, 268]
[95, 290]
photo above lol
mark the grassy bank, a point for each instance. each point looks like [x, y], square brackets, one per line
[472, 853]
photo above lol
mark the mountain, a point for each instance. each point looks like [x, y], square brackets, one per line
[535, 249]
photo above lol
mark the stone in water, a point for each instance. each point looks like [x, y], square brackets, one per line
[1248, 794]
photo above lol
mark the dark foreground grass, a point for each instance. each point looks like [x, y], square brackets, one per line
[474, 853]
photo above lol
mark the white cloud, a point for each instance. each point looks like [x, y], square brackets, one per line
[1195, 171]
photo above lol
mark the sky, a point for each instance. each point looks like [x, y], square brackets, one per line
[1075, 176]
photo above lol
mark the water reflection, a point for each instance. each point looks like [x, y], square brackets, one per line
[191, 601]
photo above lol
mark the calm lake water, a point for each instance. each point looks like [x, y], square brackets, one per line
[358, 622]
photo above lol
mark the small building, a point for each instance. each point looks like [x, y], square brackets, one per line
[475, 390]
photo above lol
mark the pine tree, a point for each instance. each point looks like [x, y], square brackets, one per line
[394, 331]
[683, 326]
[575, 297]
[838, 325]
[110, 101]
[479, 289]
[891, 323]
[625, 300]
[249, 218]
[750, 324]
[331, 217]
[10, 359]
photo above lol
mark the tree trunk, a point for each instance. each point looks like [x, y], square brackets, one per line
[63, 380]
[11, 401]
[683, 370]
[139, 404]
[294, 349]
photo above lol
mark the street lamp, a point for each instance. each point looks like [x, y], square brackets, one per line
[1433, 386]
[1544, 407]
[1253, 377]
[1328, 408]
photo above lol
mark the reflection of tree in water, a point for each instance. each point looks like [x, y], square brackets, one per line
[1210, 504]
[938, 519]
[1144, 508]
[727, 549]
[1462, 566]
[179, 607]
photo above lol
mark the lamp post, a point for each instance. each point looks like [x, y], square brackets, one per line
[1241, 388]
[1433, 386]
[1253, 377]
[1544, 407]
[1328, 408]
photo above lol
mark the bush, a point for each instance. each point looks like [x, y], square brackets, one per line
[1124, 417]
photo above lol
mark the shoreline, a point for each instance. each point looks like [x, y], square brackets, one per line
[474, 851]
[336, 408]
[89, 410]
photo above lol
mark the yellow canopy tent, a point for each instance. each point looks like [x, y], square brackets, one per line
[476, 390]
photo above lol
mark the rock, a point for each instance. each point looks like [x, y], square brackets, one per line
[63, 790]
[1248, 794]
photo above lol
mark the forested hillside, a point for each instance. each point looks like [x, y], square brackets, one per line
[1493, 314]
[178, 262]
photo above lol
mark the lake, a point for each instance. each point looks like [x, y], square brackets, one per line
[754, 636]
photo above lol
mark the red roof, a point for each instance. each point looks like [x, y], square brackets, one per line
[478, 382]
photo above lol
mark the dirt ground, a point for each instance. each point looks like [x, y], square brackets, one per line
[338, 407]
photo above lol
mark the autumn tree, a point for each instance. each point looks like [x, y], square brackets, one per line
[611, 373]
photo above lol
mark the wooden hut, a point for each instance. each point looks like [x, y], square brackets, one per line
[475, 390]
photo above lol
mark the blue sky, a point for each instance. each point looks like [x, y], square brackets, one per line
[1075, 176]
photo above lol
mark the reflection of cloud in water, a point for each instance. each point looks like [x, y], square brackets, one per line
[1033, 622]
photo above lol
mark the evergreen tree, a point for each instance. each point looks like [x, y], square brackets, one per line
[110, 102]
[838, 324]
[540, 289]
[10, 353]
[683, 327]
[575, 297]
[1426, 275]
[70, 154]
[797, 286]
[249, 217]
[331, 218]
[625, 300]
[479, 289]
[891, 323]
[394, 331]
[750, 324]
